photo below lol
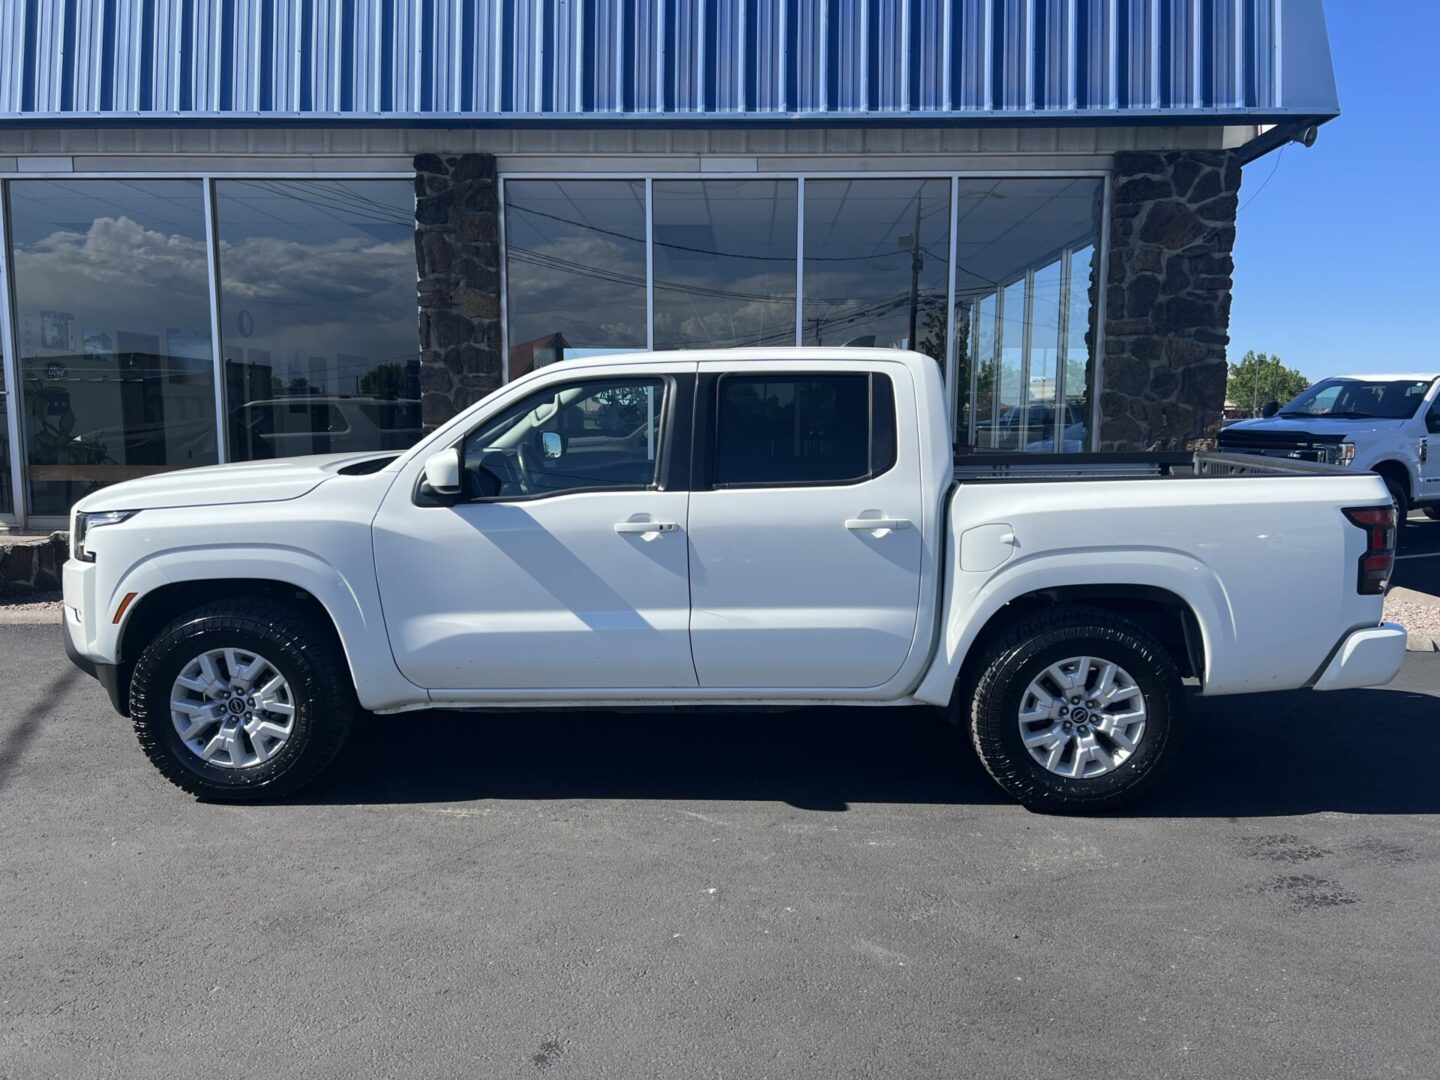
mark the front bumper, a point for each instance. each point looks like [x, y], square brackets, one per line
[1368, 657]
[108, 675]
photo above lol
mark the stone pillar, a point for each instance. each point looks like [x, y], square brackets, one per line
[1167, 300]
[457, 251]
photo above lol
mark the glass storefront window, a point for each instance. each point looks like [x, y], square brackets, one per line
[877, 263]
[318, 315]
[725, 263]
[1024, 258]
[112, 316]
[7, 497]
[575, 269]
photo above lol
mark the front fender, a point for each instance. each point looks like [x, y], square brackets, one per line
[973, 599]
[378, 682]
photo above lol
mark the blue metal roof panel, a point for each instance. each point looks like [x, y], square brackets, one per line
[653, 60]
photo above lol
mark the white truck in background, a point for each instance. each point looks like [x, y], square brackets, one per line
[770, 528]
[1385, 424]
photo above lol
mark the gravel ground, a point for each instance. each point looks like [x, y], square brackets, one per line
[41, 603]
[1419, 618]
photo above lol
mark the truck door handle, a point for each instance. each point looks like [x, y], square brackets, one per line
[875, 524]
[646, 526]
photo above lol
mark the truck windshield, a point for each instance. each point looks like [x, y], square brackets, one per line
[1360, 399]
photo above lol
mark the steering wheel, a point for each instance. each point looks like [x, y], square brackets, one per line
[527, 458]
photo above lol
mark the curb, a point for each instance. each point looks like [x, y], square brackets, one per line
[41, 617]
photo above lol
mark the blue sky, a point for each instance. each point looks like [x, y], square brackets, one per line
[1337, 260]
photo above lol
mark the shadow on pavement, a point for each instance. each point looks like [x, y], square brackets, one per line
[1361, 751]
[15, 740]
[819, 759]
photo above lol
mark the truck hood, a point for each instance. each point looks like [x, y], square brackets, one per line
[1310, 425]
[215, 485]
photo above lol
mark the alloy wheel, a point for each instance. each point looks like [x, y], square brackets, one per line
[232, 708]
[1082, 717]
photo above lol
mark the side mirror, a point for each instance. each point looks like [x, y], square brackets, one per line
[442, 472]
[552, 445]
[1269, 409]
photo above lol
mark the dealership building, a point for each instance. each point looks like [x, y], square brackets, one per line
[241, 229]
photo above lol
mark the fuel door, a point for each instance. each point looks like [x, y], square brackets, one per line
[985, 547]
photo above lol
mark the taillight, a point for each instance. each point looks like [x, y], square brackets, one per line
[1379, 558]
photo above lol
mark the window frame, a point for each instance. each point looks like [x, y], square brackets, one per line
[707, 440]
[893, 168]
[19, 513]
[646, 169]
[673, 405]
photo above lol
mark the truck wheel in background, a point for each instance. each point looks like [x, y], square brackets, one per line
[1399, 496]
[242, 700]
[1075, 711]
[1433, 513]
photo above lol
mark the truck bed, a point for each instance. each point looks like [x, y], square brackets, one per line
[1012, 468]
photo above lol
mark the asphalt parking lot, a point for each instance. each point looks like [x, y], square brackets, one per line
[1417, 563]
[814, 894]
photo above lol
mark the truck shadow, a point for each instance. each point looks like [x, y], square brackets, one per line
[1361, 752]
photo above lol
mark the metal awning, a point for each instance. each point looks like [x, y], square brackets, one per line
[666, 62]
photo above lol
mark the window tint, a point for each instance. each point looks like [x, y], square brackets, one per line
[578, 436]
[803, 429]
[116, 376]
[317, 300]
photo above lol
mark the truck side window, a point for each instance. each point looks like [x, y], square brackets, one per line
[1432, 419]
[794, 429]
[582, 436]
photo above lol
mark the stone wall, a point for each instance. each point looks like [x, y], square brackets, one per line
[31, 564]
[1167, 301]
[457, 252]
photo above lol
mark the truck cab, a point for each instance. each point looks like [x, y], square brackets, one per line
[1388, 424]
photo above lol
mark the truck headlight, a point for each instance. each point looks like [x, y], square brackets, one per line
[1345, 453]
[85, 522]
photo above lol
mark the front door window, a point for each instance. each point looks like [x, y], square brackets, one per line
[585, 436]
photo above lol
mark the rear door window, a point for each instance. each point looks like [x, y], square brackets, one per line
[801, 429]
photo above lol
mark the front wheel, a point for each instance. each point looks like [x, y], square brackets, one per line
[240, 701]
[1399, 497]
[1076, 711]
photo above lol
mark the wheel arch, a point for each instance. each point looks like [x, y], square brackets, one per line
[1163, 614]
[1395, 469]
[1188, 612]
[158, 606]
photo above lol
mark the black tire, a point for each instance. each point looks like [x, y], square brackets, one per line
[1433, 513]
[1399, 496]
[301, 649]
[1006, 669]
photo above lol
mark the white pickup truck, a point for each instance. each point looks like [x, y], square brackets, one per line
[1383, 424]
[742, 528]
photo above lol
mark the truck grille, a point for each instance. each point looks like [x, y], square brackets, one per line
[1292, 445]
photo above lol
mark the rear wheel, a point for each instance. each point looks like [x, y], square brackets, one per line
[240, 701]
[1076, 711]
[1433, 513]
